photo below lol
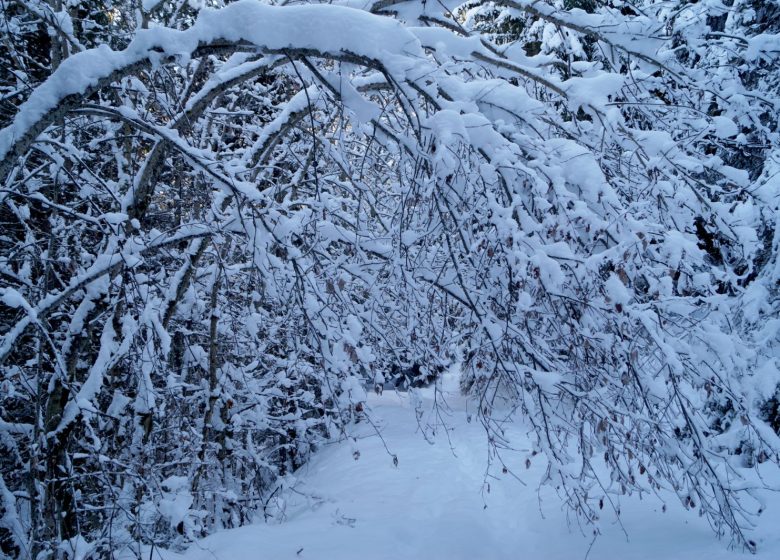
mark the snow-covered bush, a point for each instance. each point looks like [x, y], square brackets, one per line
[214, 231]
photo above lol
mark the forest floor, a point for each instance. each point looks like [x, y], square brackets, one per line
[435, 503]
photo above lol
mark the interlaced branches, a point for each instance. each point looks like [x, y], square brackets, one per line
[215, 234]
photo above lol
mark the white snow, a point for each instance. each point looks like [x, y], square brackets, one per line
[435, 503]
[617, 291]
[724, 127]
[269, 27]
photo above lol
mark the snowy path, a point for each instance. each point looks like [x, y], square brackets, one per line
[431, 506]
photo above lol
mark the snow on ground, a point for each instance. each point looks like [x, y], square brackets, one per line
[433, 504]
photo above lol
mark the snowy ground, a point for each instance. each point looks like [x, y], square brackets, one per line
[433, 506]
